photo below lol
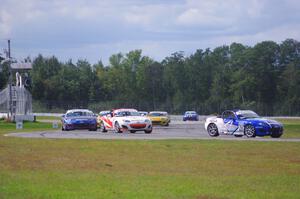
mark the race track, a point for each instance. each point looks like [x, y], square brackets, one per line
[176, 130]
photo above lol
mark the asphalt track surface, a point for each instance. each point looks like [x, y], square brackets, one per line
[176, 130]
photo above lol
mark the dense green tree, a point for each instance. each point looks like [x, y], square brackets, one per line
[289, 89]
[264, 68]
[175, 81]
[220, 96]
[44, 76]
[4, 74]
[264, 78]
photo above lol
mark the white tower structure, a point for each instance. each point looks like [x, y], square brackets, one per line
[16, 100]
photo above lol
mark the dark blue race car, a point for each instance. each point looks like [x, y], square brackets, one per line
[243, 122]
[190, 115]
[79, 119]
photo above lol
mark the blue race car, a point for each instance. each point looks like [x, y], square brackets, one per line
[79, 119]
[190, 115]
[243, 122]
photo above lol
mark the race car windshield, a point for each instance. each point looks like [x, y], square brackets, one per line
[79, 114]
[127, 113]
[190, 113]
[102, 113]
[157, 114]
[143, 113]
[247, 114]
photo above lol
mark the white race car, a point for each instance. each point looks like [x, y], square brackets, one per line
[243, 122]
[224, 124]
[121, 120]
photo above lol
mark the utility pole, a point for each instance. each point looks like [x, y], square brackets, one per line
[10, 81]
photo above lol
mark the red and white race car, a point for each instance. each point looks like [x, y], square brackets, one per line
[120, 120]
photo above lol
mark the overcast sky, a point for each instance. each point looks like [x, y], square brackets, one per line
[94, 30]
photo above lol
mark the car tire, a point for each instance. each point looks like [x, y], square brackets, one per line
[249, 131]
[117, 128]
[238, 136]
[276, 135]
[94, 129]
[132, 131]
[212, 130]
[148, 131]
[64, 129]
[102, 128]
[167, 124]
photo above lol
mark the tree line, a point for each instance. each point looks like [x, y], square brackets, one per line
[264, 78]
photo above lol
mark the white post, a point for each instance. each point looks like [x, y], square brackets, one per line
[17, 78]
[21, 83]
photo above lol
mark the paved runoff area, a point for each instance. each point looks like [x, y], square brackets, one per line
[176, 130]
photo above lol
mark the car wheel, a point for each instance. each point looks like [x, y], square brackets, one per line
[238, 135]
[212, 130]
[117, 128]
[167, 124]
[148, 131]
[94, 129]
[65, 129]
[102, 128]
[249, 131]
[276, 135]
[132, 131]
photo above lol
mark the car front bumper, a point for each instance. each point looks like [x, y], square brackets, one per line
[265, 131]
[160, 122]
[191, 118]
[80, 126]
[136, 126]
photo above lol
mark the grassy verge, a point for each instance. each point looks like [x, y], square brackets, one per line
[291, 128]
[183, 169]
[47, 118]
[35, 168]
[7, 127]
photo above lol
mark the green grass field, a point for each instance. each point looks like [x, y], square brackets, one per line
[183, 169]
[291, 128]
[6, 127]
[47, 118]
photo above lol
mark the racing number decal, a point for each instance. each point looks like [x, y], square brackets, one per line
[107, 122]
[230, 125]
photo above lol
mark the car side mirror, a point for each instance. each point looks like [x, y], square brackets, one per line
[63, 115]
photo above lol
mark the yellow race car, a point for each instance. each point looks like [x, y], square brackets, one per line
[159, 118]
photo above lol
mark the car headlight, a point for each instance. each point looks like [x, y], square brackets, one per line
[68, 121]
[263, 124]
[147, 120]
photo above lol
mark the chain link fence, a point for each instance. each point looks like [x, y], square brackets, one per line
[205, 108]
